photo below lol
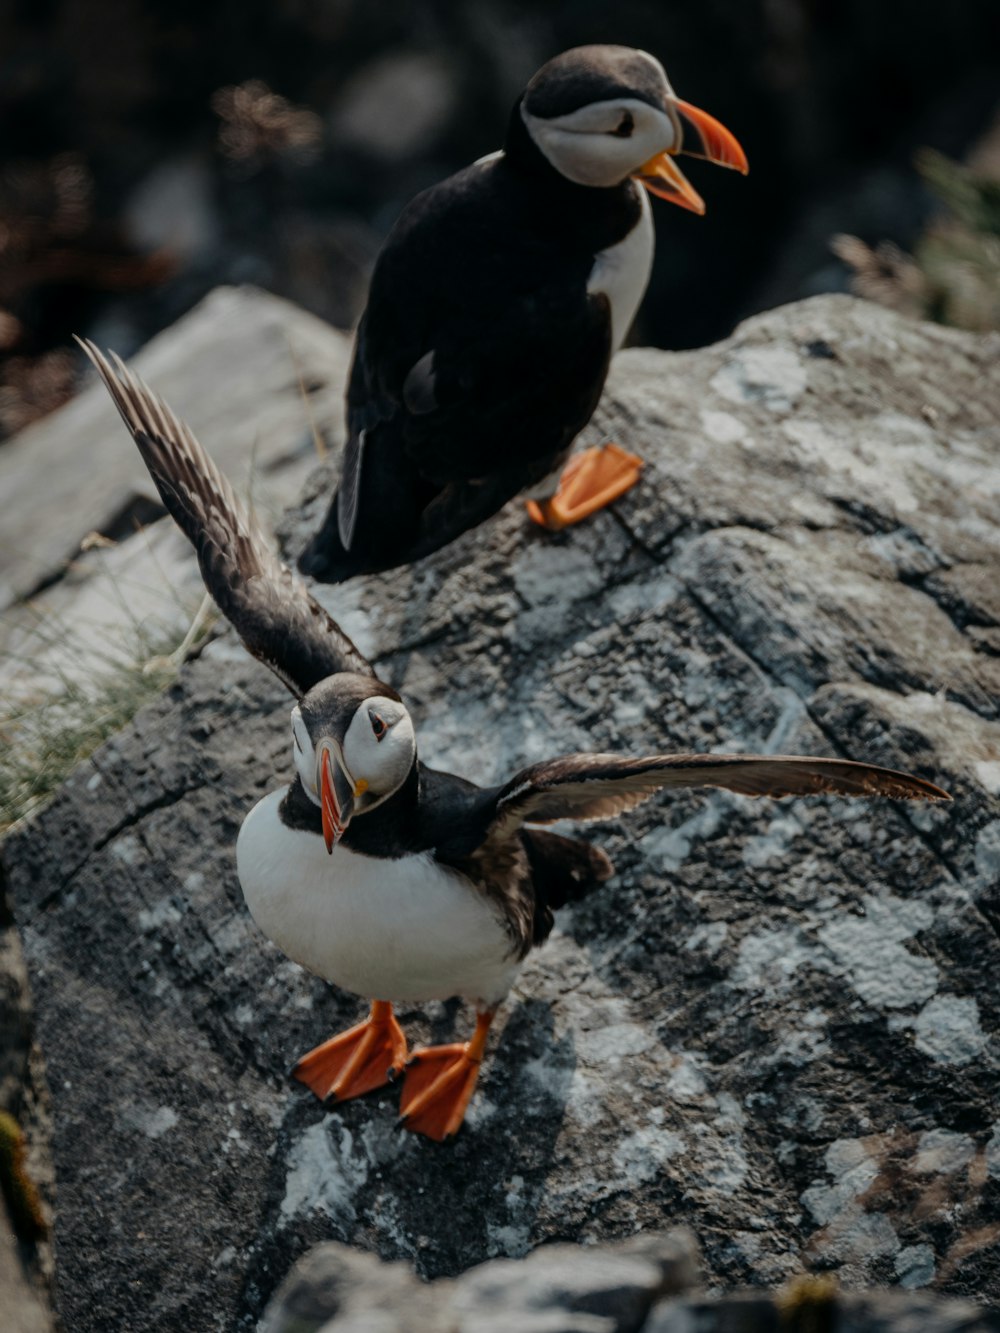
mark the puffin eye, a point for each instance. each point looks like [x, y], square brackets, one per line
[624, 127]
[379, 726]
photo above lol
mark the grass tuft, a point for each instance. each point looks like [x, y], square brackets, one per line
[44, 739]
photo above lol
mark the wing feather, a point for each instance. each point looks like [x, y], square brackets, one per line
[269, 606]
[600, 786]
[349, 490]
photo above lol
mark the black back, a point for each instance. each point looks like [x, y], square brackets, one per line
[487, 270]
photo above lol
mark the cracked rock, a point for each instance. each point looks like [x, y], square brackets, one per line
[776, 1024]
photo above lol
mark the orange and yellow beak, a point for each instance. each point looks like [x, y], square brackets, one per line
[711, 141]
[337, 792]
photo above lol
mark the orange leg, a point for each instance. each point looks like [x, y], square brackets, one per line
[589, 481]
[440, 1081]
[358, 1060]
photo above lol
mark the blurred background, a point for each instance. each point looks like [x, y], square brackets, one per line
[152, 149]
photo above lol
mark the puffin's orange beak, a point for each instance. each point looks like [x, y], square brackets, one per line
[663, 177]
[711, 141]
[336, 794]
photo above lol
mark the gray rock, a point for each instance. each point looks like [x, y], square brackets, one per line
[598, 1289]
[569, 1289]
[915, 1312]
[25, 1308]
[334, 1286]
[557, 1289]
[775, 1025]
[256, 377]
[249, 372]
[844, 1312]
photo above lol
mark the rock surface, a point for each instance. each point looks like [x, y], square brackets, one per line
[245, 369]
[249, 372]
[643, 1285]
[557, 1289]
[777, 1024]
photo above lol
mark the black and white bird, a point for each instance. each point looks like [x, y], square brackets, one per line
[388, 878]
[494, 308]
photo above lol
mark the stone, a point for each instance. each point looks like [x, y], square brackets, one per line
[846, 1312]
[253, 375]
[775, 1025]
[335, 1287]
[592, 1289]
[557, 1289]
[569, 1289]
[260, 400]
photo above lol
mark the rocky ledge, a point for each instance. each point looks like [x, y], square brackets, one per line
[777, 1024]
[647, 1284]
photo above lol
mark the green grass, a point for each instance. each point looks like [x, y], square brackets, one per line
[43, 739]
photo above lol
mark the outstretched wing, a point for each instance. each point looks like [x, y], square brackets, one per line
[599, 786]
[269, 606]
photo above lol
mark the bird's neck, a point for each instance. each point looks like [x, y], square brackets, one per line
[392, 826]
[299, 811]
[597, 215]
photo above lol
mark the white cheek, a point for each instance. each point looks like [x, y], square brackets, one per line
[360, 747]
[655, 133]
[305, 766]
[303, 754]
[398, 751]
[588, 156]
[384, 763]
[591, 160]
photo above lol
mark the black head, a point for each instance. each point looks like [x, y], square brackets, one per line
[601, 114]
[354, 747]
[589, 74]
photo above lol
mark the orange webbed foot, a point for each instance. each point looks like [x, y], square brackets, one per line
[359, 1060]
[439, 1084]
[589, 481]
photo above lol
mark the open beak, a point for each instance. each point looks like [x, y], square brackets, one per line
[338, 792]
[709, 140]
[663, 177]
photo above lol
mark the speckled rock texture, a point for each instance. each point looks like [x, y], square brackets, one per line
[777, 1023]
[647, 1284]
[557, 1289]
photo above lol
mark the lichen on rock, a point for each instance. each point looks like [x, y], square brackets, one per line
[771, 1024]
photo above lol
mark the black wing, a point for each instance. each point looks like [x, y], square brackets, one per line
[268, 605]
[497, 377]
[478, 360]
[599, 786]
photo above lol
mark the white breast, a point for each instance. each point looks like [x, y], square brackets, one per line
[621, 272]
[407, 929]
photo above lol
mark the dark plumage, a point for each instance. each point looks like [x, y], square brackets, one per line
[489, 271]
[486, 340]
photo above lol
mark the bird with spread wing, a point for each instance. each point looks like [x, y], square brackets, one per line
[388, 878]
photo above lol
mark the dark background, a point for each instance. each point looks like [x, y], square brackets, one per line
[136, 172]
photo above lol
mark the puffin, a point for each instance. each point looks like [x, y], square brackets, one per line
[386, 877]
[494, 308]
